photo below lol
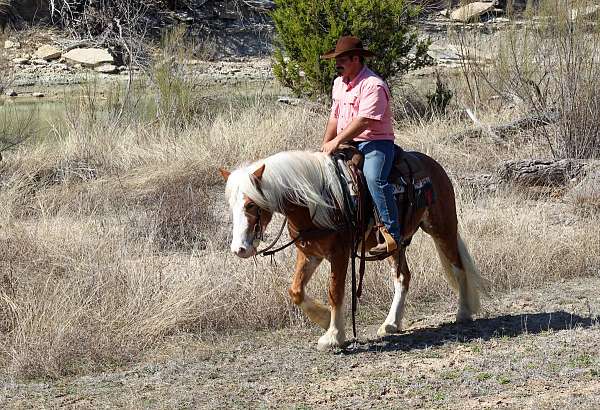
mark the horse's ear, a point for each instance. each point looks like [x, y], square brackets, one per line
[224, 173]
[259, 172]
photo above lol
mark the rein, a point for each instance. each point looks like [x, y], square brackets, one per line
[351, 225]
[302, 236]
[265, 251]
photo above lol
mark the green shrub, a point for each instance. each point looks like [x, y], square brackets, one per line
[306, 29]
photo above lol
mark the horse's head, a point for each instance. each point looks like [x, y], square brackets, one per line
[249, 220]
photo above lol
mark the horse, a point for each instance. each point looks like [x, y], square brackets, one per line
[304, 187]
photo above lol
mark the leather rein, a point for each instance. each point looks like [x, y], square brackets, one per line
[305, 235]
[351, 225]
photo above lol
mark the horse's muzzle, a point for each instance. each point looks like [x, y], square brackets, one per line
[244, 252]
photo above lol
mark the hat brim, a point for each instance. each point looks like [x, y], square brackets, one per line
[332, 53]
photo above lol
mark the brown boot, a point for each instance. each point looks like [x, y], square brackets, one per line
[389, 244]
[380, 249]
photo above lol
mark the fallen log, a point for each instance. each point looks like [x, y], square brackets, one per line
[541, 172]
[503, 131]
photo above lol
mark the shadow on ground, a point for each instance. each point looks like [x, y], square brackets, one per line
[480, 329]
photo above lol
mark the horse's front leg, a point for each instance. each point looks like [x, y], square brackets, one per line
[335, 335]
[305, 267]
[393, 322]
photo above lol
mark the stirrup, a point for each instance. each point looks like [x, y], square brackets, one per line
[389, 241]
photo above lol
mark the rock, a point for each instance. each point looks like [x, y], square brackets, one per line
[471, 11]
[107, 69]
[11, 44]
[39, 61]
[447, 52]
[122, 68]
[47, 52]
[285, 100]
[11, 93]
[261, 4]
[20, 60]
[37, 95]
[89, 57]
[60, 67]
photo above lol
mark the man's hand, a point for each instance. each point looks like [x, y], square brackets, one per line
[330, 146]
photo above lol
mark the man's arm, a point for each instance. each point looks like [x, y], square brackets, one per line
[330, 130]
[356, 127]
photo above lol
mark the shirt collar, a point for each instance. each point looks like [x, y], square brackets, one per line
[362, 73]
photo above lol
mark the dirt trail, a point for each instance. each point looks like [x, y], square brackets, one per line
[532, 349]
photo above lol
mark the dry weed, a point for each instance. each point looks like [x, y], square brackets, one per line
[110, 243]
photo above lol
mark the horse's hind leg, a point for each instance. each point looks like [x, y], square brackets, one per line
[305, 267]
[393, 321]
[461, 273]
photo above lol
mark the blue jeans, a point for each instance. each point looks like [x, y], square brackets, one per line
[379, 156]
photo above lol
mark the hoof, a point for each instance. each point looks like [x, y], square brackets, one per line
[330, 341]
[387, 329]
[463, 317]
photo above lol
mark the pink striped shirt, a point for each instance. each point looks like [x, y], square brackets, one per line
[366, 96]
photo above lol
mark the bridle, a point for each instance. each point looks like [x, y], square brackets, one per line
[257, 227]
[259, 230]
[300, 236]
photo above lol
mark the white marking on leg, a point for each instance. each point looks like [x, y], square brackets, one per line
[393, 321]
[316, 312]
[335, 335]
[464, 313]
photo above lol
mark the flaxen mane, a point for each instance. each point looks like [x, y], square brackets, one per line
[298, 177]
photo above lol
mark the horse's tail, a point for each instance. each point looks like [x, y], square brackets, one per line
[475, 283]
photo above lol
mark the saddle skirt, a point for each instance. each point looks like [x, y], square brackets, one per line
[412, 184]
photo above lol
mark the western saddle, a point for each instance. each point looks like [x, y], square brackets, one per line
[413, 190]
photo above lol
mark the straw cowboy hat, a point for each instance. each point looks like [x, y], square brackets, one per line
[347, 44]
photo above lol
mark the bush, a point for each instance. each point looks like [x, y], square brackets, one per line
[307, 29]
[549, 64]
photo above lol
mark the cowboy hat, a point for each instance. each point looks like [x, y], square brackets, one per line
[347, 44]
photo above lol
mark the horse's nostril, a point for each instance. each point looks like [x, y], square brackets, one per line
[240, 250]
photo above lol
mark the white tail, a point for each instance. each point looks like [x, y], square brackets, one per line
[474, 283]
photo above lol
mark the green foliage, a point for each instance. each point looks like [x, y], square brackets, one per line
[306, 29]
[177, 101]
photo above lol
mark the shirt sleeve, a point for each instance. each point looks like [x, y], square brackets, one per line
[335, 105]
[335, 109]
[373, 102]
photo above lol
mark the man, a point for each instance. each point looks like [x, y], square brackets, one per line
[361, 113]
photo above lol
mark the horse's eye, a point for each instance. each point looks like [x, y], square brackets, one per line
[250, 206]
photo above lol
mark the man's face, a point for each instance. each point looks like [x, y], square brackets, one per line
[347, 66]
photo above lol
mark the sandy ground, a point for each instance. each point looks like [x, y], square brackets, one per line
[530, 349]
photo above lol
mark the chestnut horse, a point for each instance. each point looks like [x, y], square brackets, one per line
[304, 187]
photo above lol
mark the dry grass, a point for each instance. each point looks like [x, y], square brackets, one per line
[113, 238]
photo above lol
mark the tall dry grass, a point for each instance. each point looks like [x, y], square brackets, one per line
[99, 265]
[547, 64]
[114, 233]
